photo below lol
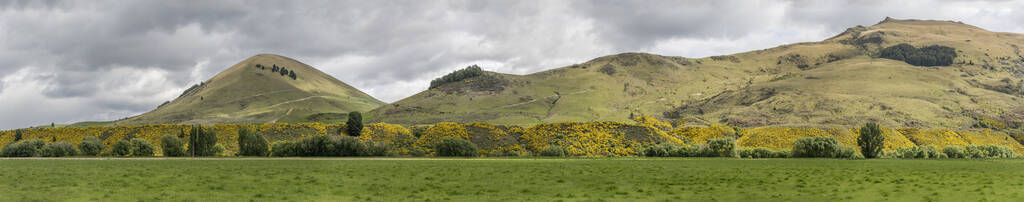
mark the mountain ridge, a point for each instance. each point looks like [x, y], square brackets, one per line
[761, 87]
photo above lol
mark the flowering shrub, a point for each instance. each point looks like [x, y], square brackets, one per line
[439, 132]
[595, 138]
[395, 136]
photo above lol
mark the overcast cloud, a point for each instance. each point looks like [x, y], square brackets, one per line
[70, 61]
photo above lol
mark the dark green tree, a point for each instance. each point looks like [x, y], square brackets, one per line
[871, 140]
[458, 75]
[172, 146]
[201, 141]
[91, 146]
[354, 126]
[251, 143]
[141, 147]
[122, 148]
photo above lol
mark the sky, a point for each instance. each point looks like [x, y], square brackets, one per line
[98, 60]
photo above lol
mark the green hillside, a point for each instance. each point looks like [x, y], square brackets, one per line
[838, 81]
[247, 93]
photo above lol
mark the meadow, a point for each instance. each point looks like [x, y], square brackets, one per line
[505, 179]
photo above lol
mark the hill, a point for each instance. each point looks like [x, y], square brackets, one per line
[844, 80]
[255, 91]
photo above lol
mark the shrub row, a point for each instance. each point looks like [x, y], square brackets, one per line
[822, 147]
[721, 147]
[815, 147]
[762, 152]
[321, 146]
[969, 151]
[38, 148]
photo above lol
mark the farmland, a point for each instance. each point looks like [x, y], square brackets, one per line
[320, 179]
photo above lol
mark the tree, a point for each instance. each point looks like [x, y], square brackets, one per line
[291, 73]
[933, 55]
[201, 141]
[251, 143]
[274, 69]
[91, 146]
[284, 71]
[58, 149]
[458, 75]
[122, 148]
[871, 140]
[354, 126]
[17, 135]
[172, 146]
[141, 147]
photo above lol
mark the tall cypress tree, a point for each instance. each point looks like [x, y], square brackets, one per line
[354, 126]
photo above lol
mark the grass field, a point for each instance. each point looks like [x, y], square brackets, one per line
[616, 179]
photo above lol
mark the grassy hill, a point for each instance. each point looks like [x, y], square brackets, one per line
[838, 81]
[251, 92]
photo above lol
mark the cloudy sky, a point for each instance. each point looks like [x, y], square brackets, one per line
[70, 61]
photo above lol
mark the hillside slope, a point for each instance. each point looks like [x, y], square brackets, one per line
[838, 81]
[247, 93]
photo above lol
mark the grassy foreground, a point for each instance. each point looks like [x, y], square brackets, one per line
[510, 179]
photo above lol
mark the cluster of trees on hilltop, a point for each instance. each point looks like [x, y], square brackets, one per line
[458, 75]
[282, 70]
[934, 55]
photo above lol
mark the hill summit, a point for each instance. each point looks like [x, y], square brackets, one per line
[263, 88]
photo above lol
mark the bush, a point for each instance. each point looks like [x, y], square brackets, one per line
[690, 151]
[374, 149]
[458, 75]
[416, 152]
[251, 143]
[989, 151]
[607, 69]
[782, 154]
[661, 150]
[284, 149]
[327, 146]
[354, 126]
[26, 148]
[818, 147]
[934, 55]
[848, 153]
[721, 147]
[58, 149]
[759, 152]
[350, 146]
[172, 146]
[554, 151]
[924, 152]
[954, 152]
[455, 147]
[218, 150]
[121, 148]
[871, 140]
[201, 141]
[141, 147]
[91, 146]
